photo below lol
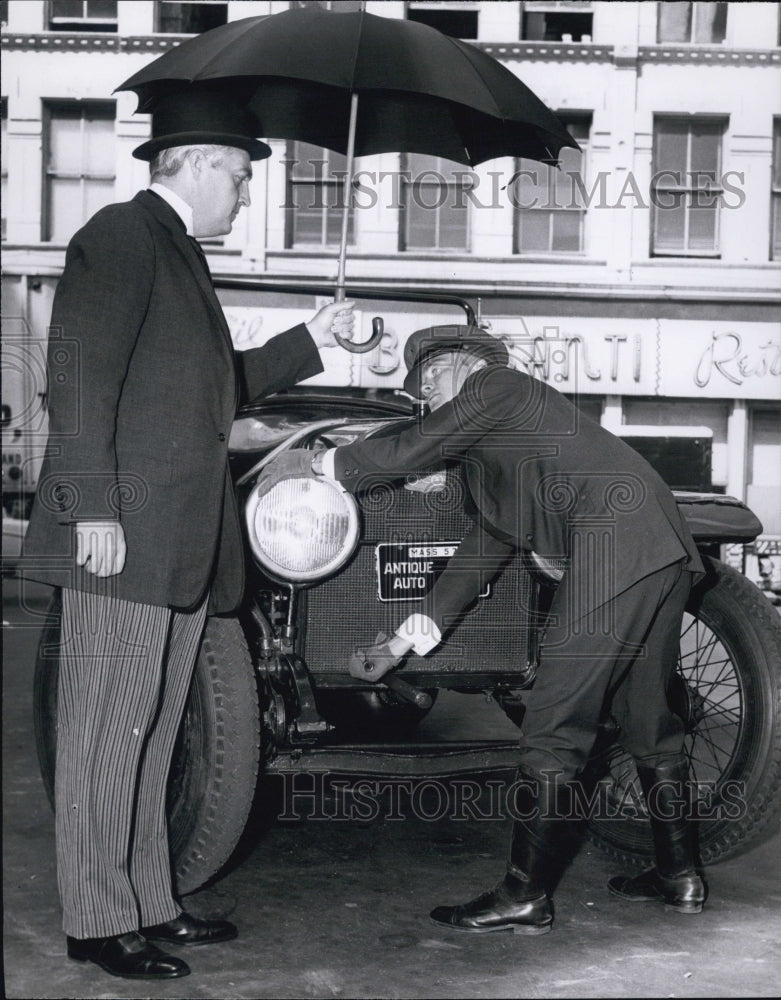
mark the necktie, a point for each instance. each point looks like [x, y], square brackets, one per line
[202, 256]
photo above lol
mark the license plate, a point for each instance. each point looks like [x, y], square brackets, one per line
[407, 572]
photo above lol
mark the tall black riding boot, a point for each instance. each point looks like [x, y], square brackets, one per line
[674, 880]
[543, 837]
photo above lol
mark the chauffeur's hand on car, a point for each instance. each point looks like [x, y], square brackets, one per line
[293, 464]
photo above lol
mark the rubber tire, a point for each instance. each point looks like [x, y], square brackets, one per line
[214, 771]
[749, 630]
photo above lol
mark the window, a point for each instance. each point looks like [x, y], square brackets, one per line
[686, 187]
[79, 159]
[663, 413]
[557, 22]
[550, 203]
[775, 196]
[459, 20]
[82, 15]
[190, 18]
[344, 6]
[4, 163]
[315, 195]
[700, 23]
[434, 200]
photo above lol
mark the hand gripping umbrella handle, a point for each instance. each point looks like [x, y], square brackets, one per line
[378, 328]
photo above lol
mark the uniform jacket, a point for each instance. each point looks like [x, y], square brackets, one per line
[143, 387]
[540, 476]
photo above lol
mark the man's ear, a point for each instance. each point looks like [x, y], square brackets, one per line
[196, 160]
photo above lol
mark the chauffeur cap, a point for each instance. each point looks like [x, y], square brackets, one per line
[424, 344]
[196, 117]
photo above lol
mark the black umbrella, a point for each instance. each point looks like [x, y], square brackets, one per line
[305, 72]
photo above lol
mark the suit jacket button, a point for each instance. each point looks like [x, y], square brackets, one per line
[220, 436]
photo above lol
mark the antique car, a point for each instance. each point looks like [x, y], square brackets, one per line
[326, 571]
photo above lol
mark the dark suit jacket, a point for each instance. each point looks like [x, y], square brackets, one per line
[143, 387]
[540, 476]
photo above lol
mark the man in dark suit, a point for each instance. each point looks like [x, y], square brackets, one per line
[136, 519]
[543, 478]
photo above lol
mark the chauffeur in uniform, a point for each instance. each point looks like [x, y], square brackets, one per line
[544, 478]
[136, 519]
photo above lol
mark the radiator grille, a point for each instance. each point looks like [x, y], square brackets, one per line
[345, 611]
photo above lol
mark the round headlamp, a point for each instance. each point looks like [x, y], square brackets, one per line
[302, 529]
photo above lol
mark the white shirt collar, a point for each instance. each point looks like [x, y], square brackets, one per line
[179, 205]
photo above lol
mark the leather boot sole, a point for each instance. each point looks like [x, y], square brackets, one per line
[527, 929]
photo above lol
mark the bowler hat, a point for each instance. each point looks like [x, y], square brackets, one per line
[195, 117]
[422, 345]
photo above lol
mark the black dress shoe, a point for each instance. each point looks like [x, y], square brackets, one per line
[498, 910]
[127, 955]
[186, 929]
[684, 893]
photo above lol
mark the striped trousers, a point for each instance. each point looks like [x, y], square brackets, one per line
[125, 672]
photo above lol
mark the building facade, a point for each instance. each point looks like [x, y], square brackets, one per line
[643, 277]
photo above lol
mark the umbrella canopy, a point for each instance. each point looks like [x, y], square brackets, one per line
[303, 73]
[420, 90]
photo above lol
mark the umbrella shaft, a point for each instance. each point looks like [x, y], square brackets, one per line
[348, 183]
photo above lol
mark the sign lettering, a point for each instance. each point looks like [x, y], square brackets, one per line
[408, 572]
[726, 355]
[559, 359]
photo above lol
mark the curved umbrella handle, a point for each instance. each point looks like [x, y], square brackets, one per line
[378, 328]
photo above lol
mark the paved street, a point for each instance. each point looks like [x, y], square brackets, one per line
[339, 907]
